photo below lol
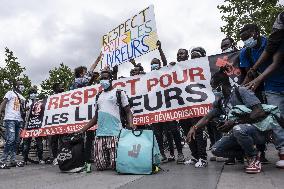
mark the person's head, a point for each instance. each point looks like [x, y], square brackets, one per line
[250, 35]
[228, 45]
[106, 79]
[80, 71]
[58, 88]
[155, 64]
[182, 55]
[220, 82]
[197, 52]
[138, 69]
[19, 87]
[32, 93]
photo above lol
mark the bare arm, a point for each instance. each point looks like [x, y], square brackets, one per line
[263, 58]
[3, 105]
[91, 123]
[129, 116]
[163, 57]
[200, 124]
[204, 121]
[132, 61]
[94, 65]
[278, 58]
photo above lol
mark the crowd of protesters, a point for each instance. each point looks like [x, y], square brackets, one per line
[243, 140]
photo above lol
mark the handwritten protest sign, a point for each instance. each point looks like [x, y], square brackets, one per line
[131, 39]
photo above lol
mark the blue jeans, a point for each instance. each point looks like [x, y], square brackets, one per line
[12, 136]
[277, 99]
[240, 142]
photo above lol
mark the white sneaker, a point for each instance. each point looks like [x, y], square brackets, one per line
[55, 162]
[201, 163]
[191, 161]
[41, 162]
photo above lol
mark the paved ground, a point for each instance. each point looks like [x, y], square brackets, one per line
[173, 176]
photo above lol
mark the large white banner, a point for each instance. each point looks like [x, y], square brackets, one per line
[171, 93]
[131, 39]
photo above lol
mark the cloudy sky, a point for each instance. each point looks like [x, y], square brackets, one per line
[44, 33]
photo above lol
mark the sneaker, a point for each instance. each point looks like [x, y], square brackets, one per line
[180, 158]
[254, 166]
[16, 164]
[171, 158]
[48, 161]
[164, 159]
[88, 167]
[4, 166]
[230, 161]
[41, 162]
[191, 161]
[55, 162]
[280, 163]
[221, 159]
[201, 163]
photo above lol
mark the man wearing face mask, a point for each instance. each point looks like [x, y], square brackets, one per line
[27, 141]
[169, 128]
[198, 144]
[14, 106]
[228, 45]
[108, 118]
[273, 86]
[243, 133]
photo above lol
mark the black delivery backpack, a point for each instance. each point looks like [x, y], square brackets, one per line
[71, 154]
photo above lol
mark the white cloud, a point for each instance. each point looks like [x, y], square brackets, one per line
[44, 33]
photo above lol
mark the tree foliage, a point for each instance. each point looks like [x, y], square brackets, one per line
[236, 13]
[11, 73]
[62, 74]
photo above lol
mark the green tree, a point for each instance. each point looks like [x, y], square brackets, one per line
[11, 73]
[236, 13]
[62, 74]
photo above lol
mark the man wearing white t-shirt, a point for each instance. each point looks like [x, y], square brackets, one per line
[13, 104]
[109, 122]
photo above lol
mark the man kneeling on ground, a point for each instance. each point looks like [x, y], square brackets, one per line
[243, 135]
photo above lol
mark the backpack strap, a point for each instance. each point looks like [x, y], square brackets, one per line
[121, 108]
[249, 56]
[22, 108]
[118, 98]
[97, 98]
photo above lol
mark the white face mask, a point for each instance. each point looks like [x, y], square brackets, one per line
[230, 49]
[33, 96]
[105, 84]
[250, 42]
[21, 88]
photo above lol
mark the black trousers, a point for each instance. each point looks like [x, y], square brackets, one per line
[214, 134]
[198, 145]
[55, 142]
[27, 145]
[170, 129]
[90, 137]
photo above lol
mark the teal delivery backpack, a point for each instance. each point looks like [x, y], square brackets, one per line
[137, 152]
